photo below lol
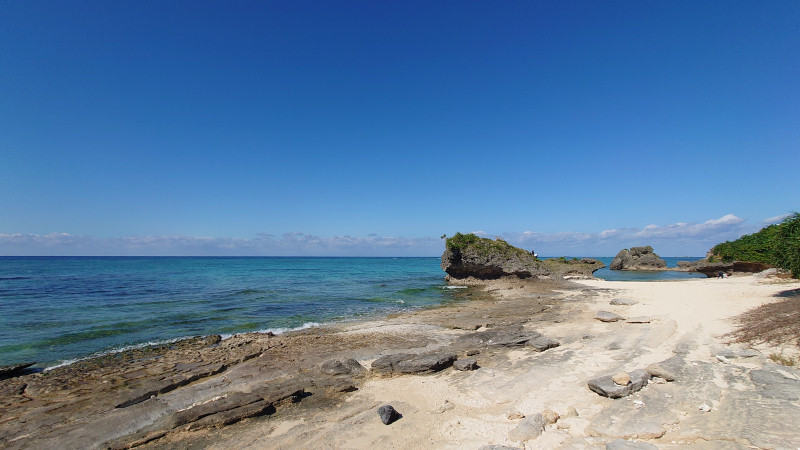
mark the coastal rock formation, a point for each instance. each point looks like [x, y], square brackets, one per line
[471, 256]
[711, 270]
[573, 268]
[405, 363]
[468, 256]
[638, 258]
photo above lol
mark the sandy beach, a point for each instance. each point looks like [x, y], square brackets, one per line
[721, 395]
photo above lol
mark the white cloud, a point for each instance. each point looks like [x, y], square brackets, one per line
[289, 244]
[774, 220]
[679, 238]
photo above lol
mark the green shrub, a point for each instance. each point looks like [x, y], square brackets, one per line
[787, 245]
[777, 245]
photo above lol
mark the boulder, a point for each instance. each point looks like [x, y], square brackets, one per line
[388, 414]
[638, 258]
[606, 386]
[406, 363]
[542, 343]
[466, 364]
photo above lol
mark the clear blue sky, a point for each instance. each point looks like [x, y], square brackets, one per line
[372, 128]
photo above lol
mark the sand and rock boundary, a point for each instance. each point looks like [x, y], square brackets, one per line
[518, 369]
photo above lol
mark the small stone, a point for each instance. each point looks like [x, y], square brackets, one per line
[605, 316]
[465, 364]
[621, 378]
[722, 359]
[570, 412]
[587, 336]
[388, 414]
[472, 352]
[515, 415]
[658, 380]
[638, 404]
[704, 407]
[550, 416]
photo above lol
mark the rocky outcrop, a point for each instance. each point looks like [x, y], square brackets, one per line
[711, 270]
[468, 256]
[471, 256]
[406, 363]
[573, 268]
[638, 258]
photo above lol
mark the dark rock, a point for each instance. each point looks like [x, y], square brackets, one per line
[712, 270]
[339, 367]
[638, 258]
[388, 414]
[486, 259]
[466, 364]
[14, 370]
[529, 428]
[542, 343]
[605, 316]
[606, 387]
[581, 268]
[405, 363]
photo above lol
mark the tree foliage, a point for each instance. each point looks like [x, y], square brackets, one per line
[778, 245]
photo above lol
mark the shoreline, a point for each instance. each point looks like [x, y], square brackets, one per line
[477, 404]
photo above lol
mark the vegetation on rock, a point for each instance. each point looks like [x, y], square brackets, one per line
[483, 246]
[778, 245]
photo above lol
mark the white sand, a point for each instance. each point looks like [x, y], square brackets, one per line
[455, 409]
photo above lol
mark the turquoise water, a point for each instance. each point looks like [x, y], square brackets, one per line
[57, 309]
[630, 275]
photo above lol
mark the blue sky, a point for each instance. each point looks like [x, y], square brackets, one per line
[372, 128]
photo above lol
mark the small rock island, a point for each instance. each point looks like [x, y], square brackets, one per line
[638, 258]
[469, 256]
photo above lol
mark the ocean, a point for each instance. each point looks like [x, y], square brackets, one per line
[54, 310]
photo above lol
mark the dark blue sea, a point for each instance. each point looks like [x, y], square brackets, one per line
[54, 310]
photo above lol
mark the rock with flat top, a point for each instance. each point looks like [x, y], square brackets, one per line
[606, 316]
[406, 363]
[622, 302]
[606, 386]
[466, 364]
